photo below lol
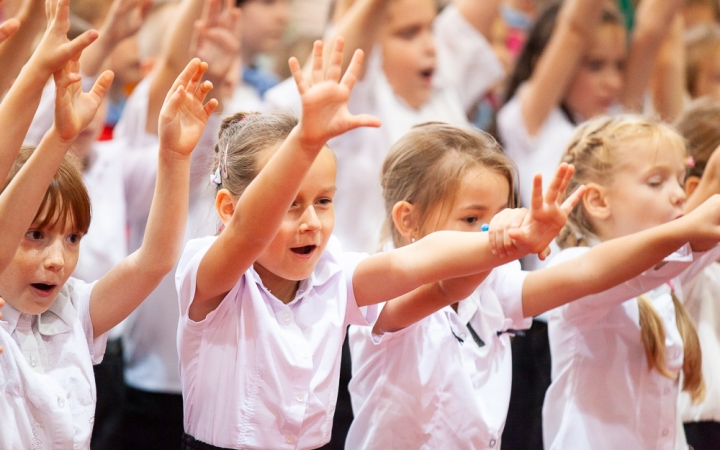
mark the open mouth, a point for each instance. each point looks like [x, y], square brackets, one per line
[427, 74]
[43, 287]
[306, 250]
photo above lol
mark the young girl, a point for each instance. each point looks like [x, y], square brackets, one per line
[422, 66]
[617, 355]
[264, 305]
[700, 126]
[444, 382]
[702, 52]
[54, 326]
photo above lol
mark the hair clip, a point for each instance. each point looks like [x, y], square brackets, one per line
[215, 179]
[690, 161]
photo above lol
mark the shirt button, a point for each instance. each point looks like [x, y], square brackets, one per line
[492, 442]
[303, 354]
[300, 398]
[33, 361]
[286, 317]
[61, 402]
[289, 438]
[463, 336]
[665, 432]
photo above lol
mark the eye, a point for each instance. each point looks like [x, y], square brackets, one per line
[655, 181]
[325, 201]
[74, 238]
[409, 33]
[470, 220]
[34, 235]
[595, 65]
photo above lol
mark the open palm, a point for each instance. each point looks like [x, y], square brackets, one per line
[183, 115]
[325, 96]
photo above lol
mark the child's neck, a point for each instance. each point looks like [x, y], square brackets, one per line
[284, 290]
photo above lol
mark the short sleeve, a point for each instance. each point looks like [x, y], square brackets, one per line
[513, 132]
[186, 278]
[465, 58]
[356, 315]
[80, 296]
[507, 283]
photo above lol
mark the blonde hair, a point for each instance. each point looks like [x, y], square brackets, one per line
[425, 167]
[700, 126]
[702, 44]
[242, 139]
[594, 151]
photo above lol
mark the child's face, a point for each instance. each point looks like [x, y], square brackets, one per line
[42, 264]
[646, 189]
[408, 49]
[306, 229]
[481, 194]
[599, 78]
[263, 25]
[708, 77]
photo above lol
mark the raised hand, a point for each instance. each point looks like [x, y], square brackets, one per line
[325, 96]
[8, 28]
[547, 214]
[125, 18]
[55, 49]
[183, 115]
[74, 110]
[217, 38]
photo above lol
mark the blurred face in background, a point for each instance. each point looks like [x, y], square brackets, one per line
[263, 26]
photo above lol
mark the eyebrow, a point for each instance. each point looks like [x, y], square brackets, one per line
[476, 207]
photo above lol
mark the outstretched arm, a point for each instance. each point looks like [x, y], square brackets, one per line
[182, 121]
[19, 35]
[257, 216]
[576, 25]
[446, 255]
[21, 200]
[618, 260]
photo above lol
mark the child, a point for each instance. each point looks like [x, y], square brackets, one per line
[700, 126]
[617, 355]
[422, 67]
[54, 326]
[265, 304]
[444, 382]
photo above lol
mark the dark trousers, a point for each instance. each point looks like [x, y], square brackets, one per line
[151, 421]
[703, 435]
[531, 378]
[110, 398]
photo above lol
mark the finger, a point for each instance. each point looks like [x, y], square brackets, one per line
[236, 22]
[184, 77]
[172, 104]
[210, 106]
[572, 201]
[544, 254]
[195, 79]
[101, 86]
[62, 12]
[202, 91]
[564, 183]
[317, 63]
[335, 69]
[536, 202]
[74, 48]
[491, 235]
[353, 70]
[297, 74]
[364, 120]
[553, 188]
[8, 28]
[508, 241]
[214, 10]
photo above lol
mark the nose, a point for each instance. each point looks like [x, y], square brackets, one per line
[678, 196]
[310, 221]
[429, 43]
[54, 258]
[614, 80]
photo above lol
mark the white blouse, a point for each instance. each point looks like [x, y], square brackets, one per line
[702, 301]
[47, 386]
[258, 373]
[602, 394]
[433, 385]
[467, 68]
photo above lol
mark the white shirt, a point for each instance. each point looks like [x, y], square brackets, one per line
[47, 386]
[467, 67]
[701, 303]
[258, 373]
[602, 395]
[422, 388]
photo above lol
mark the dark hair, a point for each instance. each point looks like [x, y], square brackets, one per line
[699, 124]
[65, 199]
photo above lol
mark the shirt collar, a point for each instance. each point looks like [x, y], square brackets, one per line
[57, 319]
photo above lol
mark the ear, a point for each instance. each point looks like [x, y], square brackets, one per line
[225, 205]
[691, 183]
[595, 202]
[402, 216]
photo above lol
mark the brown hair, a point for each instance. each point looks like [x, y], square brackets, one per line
[594, 151]
[426, 165]
[243, 138]
[65, 199]
[700, 126]
[702, 44]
